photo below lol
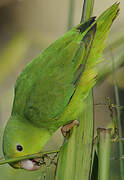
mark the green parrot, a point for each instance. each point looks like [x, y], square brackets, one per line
[49, 92]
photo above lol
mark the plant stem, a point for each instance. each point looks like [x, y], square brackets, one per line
[87, 10]
[104, 137]
[71, 15]
[118, 119]
[31, 156]
[75, 157]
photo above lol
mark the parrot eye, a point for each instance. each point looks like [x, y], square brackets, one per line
[19, 147]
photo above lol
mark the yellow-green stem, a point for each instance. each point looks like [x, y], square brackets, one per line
[104, 144]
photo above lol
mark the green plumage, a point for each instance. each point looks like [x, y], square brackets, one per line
[50, 90]
[46, 85]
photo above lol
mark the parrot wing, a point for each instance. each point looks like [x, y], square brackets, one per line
[45, 86]
[52, 91]
[48, 83]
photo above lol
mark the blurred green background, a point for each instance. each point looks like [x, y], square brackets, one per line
[26, 28]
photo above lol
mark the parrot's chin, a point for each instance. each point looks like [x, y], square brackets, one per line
[30, 164]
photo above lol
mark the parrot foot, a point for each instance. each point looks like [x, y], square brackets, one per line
[66, 128]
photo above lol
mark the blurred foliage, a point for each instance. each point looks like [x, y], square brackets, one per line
[12, 55]
[112, 51]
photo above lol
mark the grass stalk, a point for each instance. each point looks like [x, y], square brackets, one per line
[75, 156]
[118, 120]
[104, 145]
[87, 10]
[71, 15]
[31, 156]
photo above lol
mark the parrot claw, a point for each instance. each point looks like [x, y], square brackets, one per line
[66, 128]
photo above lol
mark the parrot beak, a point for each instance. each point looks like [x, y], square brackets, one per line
[30, 164]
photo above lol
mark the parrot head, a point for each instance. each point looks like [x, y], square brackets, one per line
[22, 138]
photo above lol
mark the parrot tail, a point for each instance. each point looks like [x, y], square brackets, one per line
[98, 41]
